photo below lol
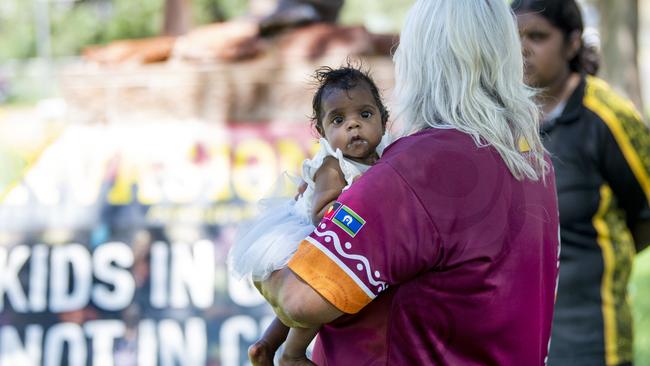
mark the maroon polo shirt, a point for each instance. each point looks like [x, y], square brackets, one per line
[438, 256]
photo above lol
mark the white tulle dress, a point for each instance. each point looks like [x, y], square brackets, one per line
[266, 243]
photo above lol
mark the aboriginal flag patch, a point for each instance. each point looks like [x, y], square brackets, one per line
[331, 211]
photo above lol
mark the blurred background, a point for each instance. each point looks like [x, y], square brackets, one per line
[136, 135]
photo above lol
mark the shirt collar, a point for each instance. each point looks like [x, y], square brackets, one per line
[572, 110]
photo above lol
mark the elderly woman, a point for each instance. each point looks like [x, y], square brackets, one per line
[446, 251]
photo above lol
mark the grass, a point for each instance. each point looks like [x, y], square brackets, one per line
[640, 293]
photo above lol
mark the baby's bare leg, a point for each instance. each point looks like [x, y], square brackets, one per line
[295, 347]
[261, 353]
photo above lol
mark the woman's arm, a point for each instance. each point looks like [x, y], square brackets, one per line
[320, 284]
[624, 153]
[295, 303]
[641, 234]
[329, 182]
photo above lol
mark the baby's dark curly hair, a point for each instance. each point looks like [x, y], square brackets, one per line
[345, 78]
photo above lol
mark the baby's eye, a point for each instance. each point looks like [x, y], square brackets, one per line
[337, 120]
[366, 114]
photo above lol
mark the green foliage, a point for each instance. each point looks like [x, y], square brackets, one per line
[134, 19]
[78, 24]
[640, 293]
[93, 23]
[378, 16]
[74, 26]
[16, 30]
[208, 11]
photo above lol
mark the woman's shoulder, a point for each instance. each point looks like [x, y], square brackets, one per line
[429, 139]
[606, 103]
[437, 150]
[615, 115]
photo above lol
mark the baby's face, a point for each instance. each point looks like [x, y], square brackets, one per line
[351, 122]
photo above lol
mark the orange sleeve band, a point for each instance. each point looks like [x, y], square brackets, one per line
[327, 278]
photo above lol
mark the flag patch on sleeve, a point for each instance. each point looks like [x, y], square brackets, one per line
[348, 220]
[329, 214]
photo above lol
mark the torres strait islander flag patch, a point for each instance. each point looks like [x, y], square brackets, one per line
[348, 220]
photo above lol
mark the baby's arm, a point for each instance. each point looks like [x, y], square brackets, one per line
[262, 352]
[329, 182]
[295, 348]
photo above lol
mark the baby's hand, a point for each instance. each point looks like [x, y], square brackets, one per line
[301, 189]
[295, 360]
[261, 354]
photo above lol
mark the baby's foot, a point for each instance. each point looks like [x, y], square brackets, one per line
[289, 360]
[260, 354]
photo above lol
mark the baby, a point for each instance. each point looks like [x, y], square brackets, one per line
[350, 117]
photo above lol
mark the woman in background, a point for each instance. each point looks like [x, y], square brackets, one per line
[601, 153]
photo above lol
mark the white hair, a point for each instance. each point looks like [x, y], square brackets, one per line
[459, 65]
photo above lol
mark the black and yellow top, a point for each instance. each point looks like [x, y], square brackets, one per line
[601, 153]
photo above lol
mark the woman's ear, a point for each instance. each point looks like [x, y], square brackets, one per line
[574, 44]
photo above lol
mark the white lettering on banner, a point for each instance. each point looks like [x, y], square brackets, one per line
[192, 272]
[38, 278]
[243, 293]
[103, 334]
[64, 258]
[184, 185]
[19, 196]
[229, 335]
[181, 275]
[159, 273]
[10, 265]
[254, 169]
[168, 170]
[147, 345]
[188, 350]
[254, 165]
[56, 337]
[71, 277]
[166, 343]
[84, 176]
[218, 174]
[65, 278]
[12, 350]
[150, 190]
[123, 283]
[44, 183]
[265, 322]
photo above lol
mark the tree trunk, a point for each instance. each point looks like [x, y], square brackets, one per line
[619, 30]
[178, 17]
